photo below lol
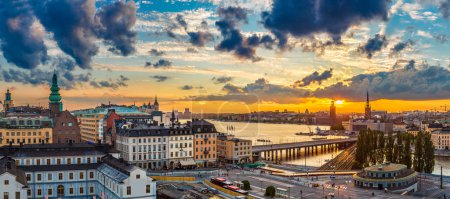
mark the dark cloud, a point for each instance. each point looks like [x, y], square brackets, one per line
[259, 91]
[181, 21]
[233, 40]
[409, 82]
[112, 84]
[222, 79]
[191, 50]
[444, 8]
[441, 38]
[117, 20]
[21, 41]
[373, 45]
[189, 87]
[305, 18]
[156, 52]
[160, 78]
[266, 40]
[200, 38]
[162, 63]
[314, 77]
[317, 46]
[401, 46]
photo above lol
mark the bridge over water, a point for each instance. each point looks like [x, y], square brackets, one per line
[274, 152]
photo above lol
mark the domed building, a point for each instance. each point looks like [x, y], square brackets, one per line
[390, 176]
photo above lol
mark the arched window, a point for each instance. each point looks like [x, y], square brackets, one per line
[60, 190]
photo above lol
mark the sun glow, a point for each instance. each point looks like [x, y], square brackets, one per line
[339, 102]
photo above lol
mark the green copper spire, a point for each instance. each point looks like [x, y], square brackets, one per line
[7, 95]
[55, 97]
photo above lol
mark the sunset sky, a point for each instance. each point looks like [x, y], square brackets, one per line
[229, 55]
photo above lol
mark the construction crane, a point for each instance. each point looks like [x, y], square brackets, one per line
[445, 107]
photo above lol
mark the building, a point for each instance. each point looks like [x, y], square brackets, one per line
[332, 113]
[356, 125]
[367, 109]
[393, 177]
[143, 145]
[441, 138]
[205, 142]
[94, 122]
[14, 183]
[72, 171]
[181, 147]
[30, 130]
[233, 150]
[65, 125]
[8, 102]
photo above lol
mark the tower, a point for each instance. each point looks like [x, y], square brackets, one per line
[332, 113]
[8, 102]
[55, 104]
[367, 110]
[156, 104]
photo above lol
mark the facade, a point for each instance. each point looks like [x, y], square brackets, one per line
[356, 125]
[12, 179]
[74, 171]
[181, 147]
[143, 145]
[233, 150]
[205, 142]
[93, 122]
[441, 138]
[19, 131]
[394, 177]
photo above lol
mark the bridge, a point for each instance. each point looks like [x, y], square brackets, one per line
[290, 150]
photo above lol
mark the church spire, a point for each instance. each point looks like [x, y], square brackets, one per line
[367, 110]
[55, 98]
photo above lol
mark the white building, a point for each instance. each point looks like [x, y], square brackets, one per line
[355, 125]
[181, 147]
[441, 138]
[76, 170]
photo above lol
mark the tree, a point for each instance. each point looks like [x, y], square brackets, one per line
[418, 152]
[380, 147]
[246, 185]
[397, 153]
[270, 191]
[389, 148]
[406, 158]
[428, 157]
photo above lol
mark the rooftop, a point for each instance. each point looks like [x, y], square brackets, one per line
[385, 167]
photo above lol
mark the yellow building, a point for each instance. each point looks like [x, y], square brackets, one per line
[234, 150]
[205, 142]
[30, 130]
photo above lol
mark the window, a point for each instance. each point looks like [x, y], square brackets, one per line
[81, 190]
[60, 176]
[69, 161]
[29, 192]
[38, 162]
[78, 160]
[88, 160]
[91, 174]
[39, 177]
[60, 190]
[6, 182]
[138, 176]
[50, 192]
[147, 189]
[58, 161]
[39, 192]
[28, 177]
[71, 176]
[71, 190]
[128, 190]
[91, 189]
[6, 195]
[49, 176]
[81, 176]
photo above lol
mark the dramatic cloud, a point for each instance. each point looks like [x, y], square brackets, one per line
[159, 78]
[112, 84]
[200, 38]
[305, 18]
[441, 38]
[314, 77]
[233, 41]
[222, 79]
[156, 52]
[73, 24]
[21, 41]
[259, 91]
[181, 21]
[373, 45]
[64, 67]
[401, 46]
[162, 63]
[444, 8]
[409, 82]
[117, 19]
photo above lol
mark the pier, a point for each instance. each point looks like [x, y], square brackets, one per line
[288, 151]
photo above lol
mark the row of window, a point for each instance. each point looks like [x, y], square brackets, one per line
[59, 161]
[29, 133]
[39, 176]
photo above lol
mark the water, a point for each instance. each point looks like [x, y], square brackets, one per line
[285, 133]
[278, 133]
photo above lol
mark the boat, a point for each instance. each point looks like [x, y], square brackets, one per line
[319, 138]
[306, 134]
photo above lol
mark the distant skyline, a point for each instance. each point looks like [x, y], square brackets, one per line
[228, 56]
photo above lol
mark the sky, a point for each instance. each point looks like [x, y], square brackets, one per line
[229, 55]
